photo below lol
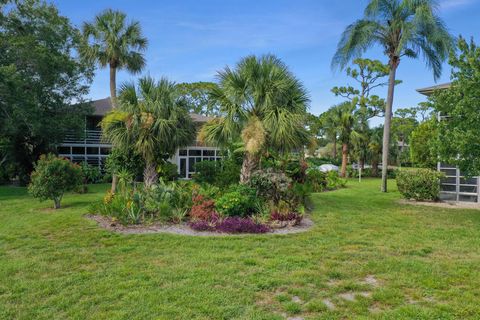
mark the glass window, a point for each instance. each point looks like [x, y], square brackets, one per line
[63, 150]
[208, 153]
[78, 150]
[105, 150]
[194, 152]
[183, 168]
[191, 164]
[182, 152]
[92, 150]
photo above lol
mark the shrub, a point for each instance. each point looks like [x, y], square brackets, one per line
[296, 169]
[270, 184]
[419, 184]
[125, 159]
[52, 177]
[91, 174]
[220, 173]
[334, 181]
[316, 179]
[168, 171]
[206, 172]
[203, 209]
[238, 201]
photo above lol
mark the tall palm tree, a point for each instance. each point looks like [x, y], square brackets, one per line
[261, 103]
[151, 120]
[402, 28]
[110, 41]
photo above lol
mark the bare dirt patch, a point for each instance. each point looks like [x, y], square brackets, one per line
[183, 229]
[442, 204]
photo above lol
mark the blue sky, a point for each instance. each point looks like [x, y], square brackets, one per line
[190, 40]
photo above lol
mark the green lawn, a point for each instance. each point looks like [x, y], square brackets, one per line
[426, 261]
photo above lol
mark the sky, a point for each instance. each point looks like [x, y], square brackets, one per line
[190, 40]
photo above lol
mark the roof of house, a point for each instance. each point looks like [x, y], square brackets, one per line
[103, 106]
[429, 90]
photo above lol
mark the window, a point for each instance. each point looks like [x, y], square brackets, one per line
[78, 150]
[63, 150]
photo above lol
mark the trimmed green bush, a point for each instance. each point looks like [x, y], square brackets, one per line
[52, 177]
[238, 201]
[419, 184]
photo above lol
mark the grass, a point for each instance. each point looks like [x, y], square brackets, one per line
[425, 260]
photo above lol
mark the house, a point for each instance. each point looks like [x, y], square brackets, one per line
[455, 186]
[92, 149]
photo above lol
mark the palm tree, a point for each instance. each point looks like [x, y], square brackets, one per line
[151, 120]
[347, 121]
[110, 41]
[261, 103]
[402, 28]
[330, 121]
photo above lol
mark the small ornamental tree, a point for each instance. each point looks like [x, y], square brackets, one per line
[52, 177]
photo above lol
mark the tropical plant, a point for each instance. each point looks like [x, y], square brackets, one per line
[402, 28]
[422, 144]
[52, 177]
[150, 121]
[110, 41]
[261, 103]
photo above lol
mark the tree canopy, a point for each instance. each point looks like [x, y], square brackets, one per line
[458, 106]
[42, 83]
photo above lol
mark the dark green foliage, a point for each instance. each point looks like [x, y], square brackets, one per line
[220, 173]
[460, 105]
[40, 79]
[125, 159]
[419, 184]
[316, 162]
[206, 172]
[239, 200]
[91, 174]
[296, 169]
[53, 177]
[168, 171]
[317, 180]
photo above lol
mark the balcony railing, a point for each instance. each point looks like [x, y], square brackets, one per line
[90, 137]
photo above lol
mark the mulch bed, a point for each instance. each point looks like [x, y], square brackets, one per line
[183, 229]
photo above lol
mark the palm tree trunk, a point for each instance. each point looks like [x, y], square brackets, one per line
[150, 175]
[113, 86]
[388, 119]
[374, 168]
[334, 152]
[113, 99]
[343, 172]
[250, 163]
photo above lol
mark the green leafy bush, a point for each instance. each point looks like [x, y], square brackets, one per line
[238, 201]
[91, 174]
[334, 181]
[168, 171]
[206, 172]
[419, 184]
[220, 173]
[316, 179]
[270, 184]
[52, 177]
[123, 159]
